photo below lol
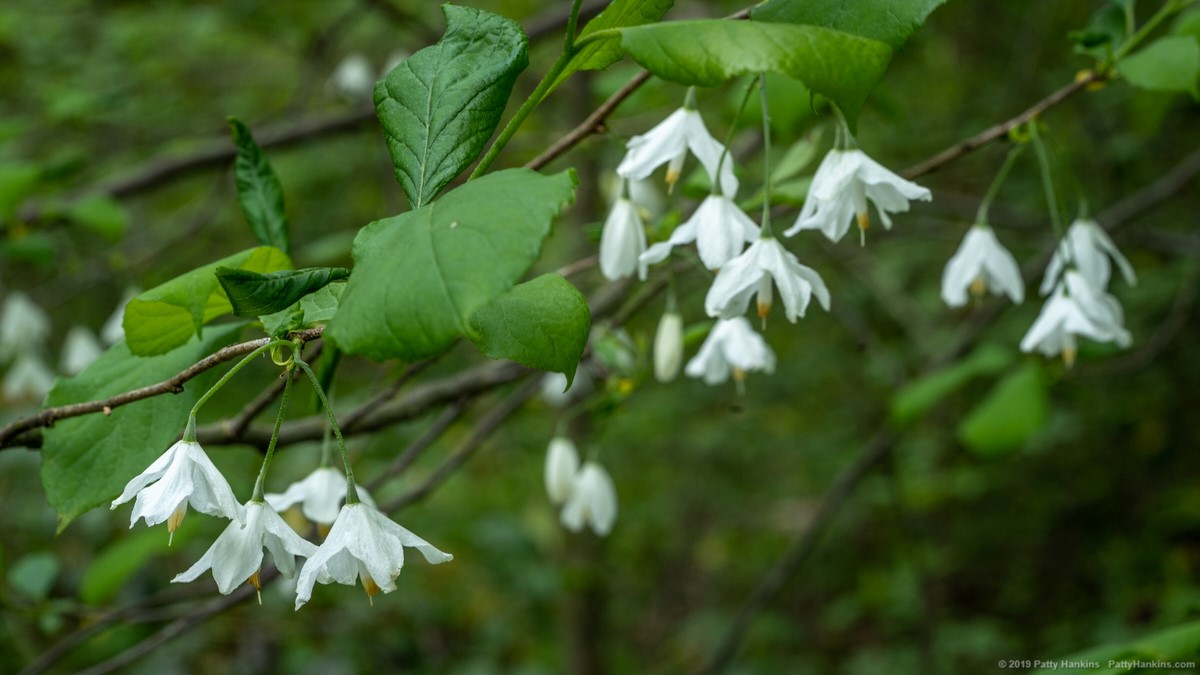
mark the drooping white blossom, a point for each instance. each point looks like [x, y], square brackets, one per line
[844, 182]
[24, 327]
[319, 494]
[363, 545]
[668, 347]
[182, 476]
[1075, 308]
[593, 501]
[353, 78]
[622, 242]
[562, 463]
[236, 556]
[80, 348]
[981, 264]
[669, 142]
[755, 272]
[1089, 249]
[27, 380]
[720, 229]
[731, 347]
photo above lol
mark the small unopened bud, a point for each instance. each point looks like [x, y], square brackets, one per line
[668, 347]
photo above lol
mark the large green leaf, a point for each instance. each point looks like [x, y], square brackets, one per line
[1178, 643]
[542, 323]
[87, 460]
[420, 275]
[440, 106]
[1013, 411]
[165, 316]
[843, 67]
[601, 52]
[259, 192]
[915, 398]
[889, 21]
[252, 294]
[1167, 64]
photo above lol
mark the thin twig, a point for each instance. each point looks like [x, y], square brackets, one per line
[419, 445]
[483, 429]
[1000, 130]
[593, 124]
[802, 546]
[383, 397]
[171, 385]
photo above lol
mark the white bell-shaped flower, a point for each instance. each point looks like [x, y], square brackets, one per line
[182, 476]
[80, 348]
[622, 242]
[981, 264]
[236, 556]
[24, 327]
[364, 545]
[731, 346]
[756, 271]
[844, 182]
[1075, 309]
[669, 142]
[353, 78]
[668, 347]
[1088, 248]
[319, 494]
[562, 463]
[593, 501]
[720, 229]
[27, 380]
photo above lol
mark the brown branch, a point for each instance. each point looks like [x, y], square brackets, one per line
[419, 445]
[171, 385]
[1000, 130]
[802, 546]
[386, 395]
[486, 426]
[594, 123]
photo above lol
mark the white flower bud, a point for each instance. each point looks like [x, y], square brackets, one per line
[668, 347]
[562, 463]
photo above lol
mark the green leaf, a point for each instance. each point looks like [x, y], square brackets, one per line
[601, 52]
[33, 575]
[259, 192]
[456, 254]
[322, 305]
[279, 324]
[889, 21]
[252, 294]
[1167, 64]
[165, 316]
[103, 215]
[542, 323]
[840, 66]
[16, 182]
[440, 106]
[1177, 643]
[87, 460]
[917, 397]
[1015, 409]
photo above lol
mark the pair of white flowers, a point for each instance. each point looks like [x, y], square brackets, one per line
[363, 545]
[586, 494]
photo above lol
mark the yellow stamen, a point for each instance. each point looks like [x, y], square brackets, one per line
[323, 530]
[1068, 356]
[864, 220]
[256, 582]
[175, 520]
[978, 286]
[369, 586]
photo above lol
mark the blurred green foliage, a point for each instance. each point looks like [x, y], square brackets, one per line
[1084, 532]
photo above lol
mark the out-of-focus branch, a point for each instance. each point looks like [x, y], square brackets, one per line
[11, 432]
[486, 426]
[802, 546]
[999, 130]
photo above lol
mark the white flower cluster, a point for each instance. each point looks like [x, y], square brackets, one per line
[1076, 281]
[586, 494]
[749, 262]
[362, 545]
[24, 331]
